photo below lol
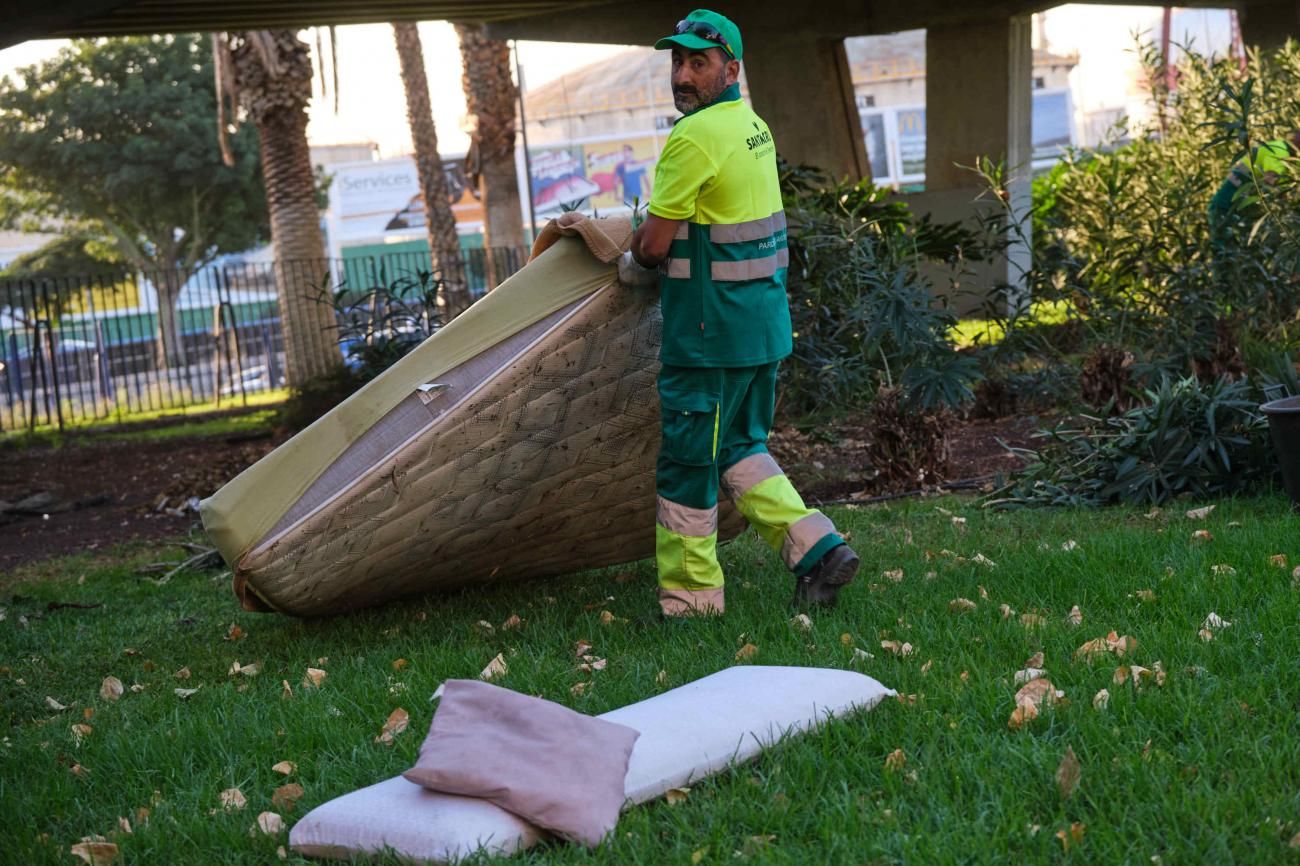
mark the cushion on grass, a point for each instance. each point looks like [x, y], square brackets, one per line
[557, 768]
[686, 734]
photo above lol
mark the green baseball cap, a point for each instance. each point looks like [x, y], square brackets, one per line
[704, 29]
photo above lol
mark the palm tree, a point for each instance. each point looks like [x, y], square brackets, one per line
[444, 244]
[269, 73]
[491, 96]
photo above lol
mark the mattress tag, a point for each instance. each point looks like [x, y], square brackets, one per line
[430, 392]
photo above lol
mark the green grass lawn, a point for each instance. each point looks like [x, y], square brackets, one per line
[1204, 768]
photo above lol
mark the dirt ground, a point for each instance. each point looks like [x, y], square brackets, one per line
[89, 496]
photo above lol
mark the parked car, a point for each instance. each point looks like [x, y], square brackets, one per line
[250, 380]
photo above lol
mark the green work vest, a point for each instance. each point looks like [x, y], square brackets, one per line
[723, 283]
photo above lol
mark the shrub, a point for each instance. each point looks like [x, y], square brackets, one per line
[863, 315]
[1188, 437]
[377, 327]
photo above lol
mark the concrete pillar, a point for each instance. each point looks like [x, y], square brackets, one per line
[1269, 24]
[801, 86]
[978, 84]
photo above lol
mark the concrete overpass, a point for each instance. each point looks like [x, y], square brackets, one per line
[978, 56]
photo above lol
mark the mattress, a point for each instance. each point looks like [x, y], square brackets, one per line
[518, 442]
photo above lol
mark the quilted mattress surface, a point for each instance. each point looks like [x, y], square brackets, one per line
[517, 442]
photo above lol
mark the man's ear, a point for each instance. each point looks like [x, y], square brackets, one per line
[733, 71]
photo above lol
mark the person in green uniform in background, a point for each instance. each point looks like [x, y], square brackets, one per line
[714, 240]
[1238, 195]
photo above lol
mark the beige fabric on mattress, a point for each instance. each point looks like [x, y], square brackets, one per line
[533, 456]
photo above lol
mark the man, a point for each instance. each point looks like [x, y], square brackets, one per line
[715, 232]
[629, 174]
[1239, 192]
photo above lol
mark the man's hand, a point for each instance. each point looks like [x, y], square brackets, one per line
[652, 240]
[633, 275]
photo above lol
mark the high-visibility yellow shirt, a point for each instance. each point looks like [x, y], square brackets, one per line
[723, 283]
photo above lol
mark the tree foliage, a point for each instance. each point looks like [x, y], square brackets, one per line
[116, 138]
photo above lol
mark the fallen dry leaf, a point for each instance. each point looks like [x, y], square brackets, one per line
[661, 678]
[285, 690]
[1032, 620]
[1075, 616]
[512, 622]
[1147, 595]
[397, 721]
[1028, 674]
[398, 664]
[314, 677]
[698, 855]
[80, 732]
[285, 768]
[1214, 621]
[1223, 568]
[899, 649]
[895, 761]
[1202, 535]
[676, 795]
[124, 825]
[287, 796]
[1111, 643]
[1006, 610]
[894, 574]
[755, 844]
[79, 771]
[1073, 837]
[1069, 545]
[234, 633]
[232, 799]
[846, 639]
[1067, 774]
[95, 853]
[581, 648]
[578, 689]
[270, 823]
[1200, 513]
[249, 670]
[1136, 673]
[861, 655]
[495, 668]
[607, 618]
[1035, 660]
[484, 627]
[925, 668]
[182, 674]
[981, 559]
[1021, 716]
[803, 622]
[54, 705]
[1205, 634]
[1036, 692]
[1101, 700]
[748, 651]
[111, 688]
[961, 605]
[1278, 559]
[185, 693]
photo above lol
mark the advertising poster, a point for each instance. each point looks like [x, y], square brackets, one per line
[559, 179]
[623, 170]
[376, 200]
[911, 141]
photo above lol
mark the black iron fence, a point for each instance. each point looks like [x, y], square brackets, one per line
[74, 349]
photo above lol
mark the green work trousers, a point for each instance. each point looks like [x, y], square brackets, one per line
[715, 427]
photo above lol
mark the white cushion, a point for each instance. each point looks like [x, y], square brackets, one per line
[687, 733]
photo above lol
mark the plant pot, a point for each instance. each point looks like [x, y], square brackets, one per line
[1284, 425]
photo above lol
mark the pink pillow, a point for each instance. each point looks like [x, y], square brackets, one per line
[554, 767]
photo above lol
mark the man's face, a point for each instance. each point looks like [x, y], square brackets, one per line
[699, 77]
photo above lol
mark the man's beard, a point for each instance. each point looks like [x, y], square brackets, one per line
[688, 98]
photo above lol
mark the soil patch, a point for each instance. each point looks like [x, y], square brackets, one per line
[86, 496]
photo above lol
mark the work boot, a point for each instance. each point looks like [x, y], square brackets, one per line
[821, 585]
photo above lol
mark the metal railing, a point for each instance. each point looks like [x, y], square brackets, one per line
[75, 349]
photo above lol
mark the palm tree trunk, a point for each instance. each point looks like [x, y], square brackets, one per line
[273, 68]
[444, 243]
[491, 97]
